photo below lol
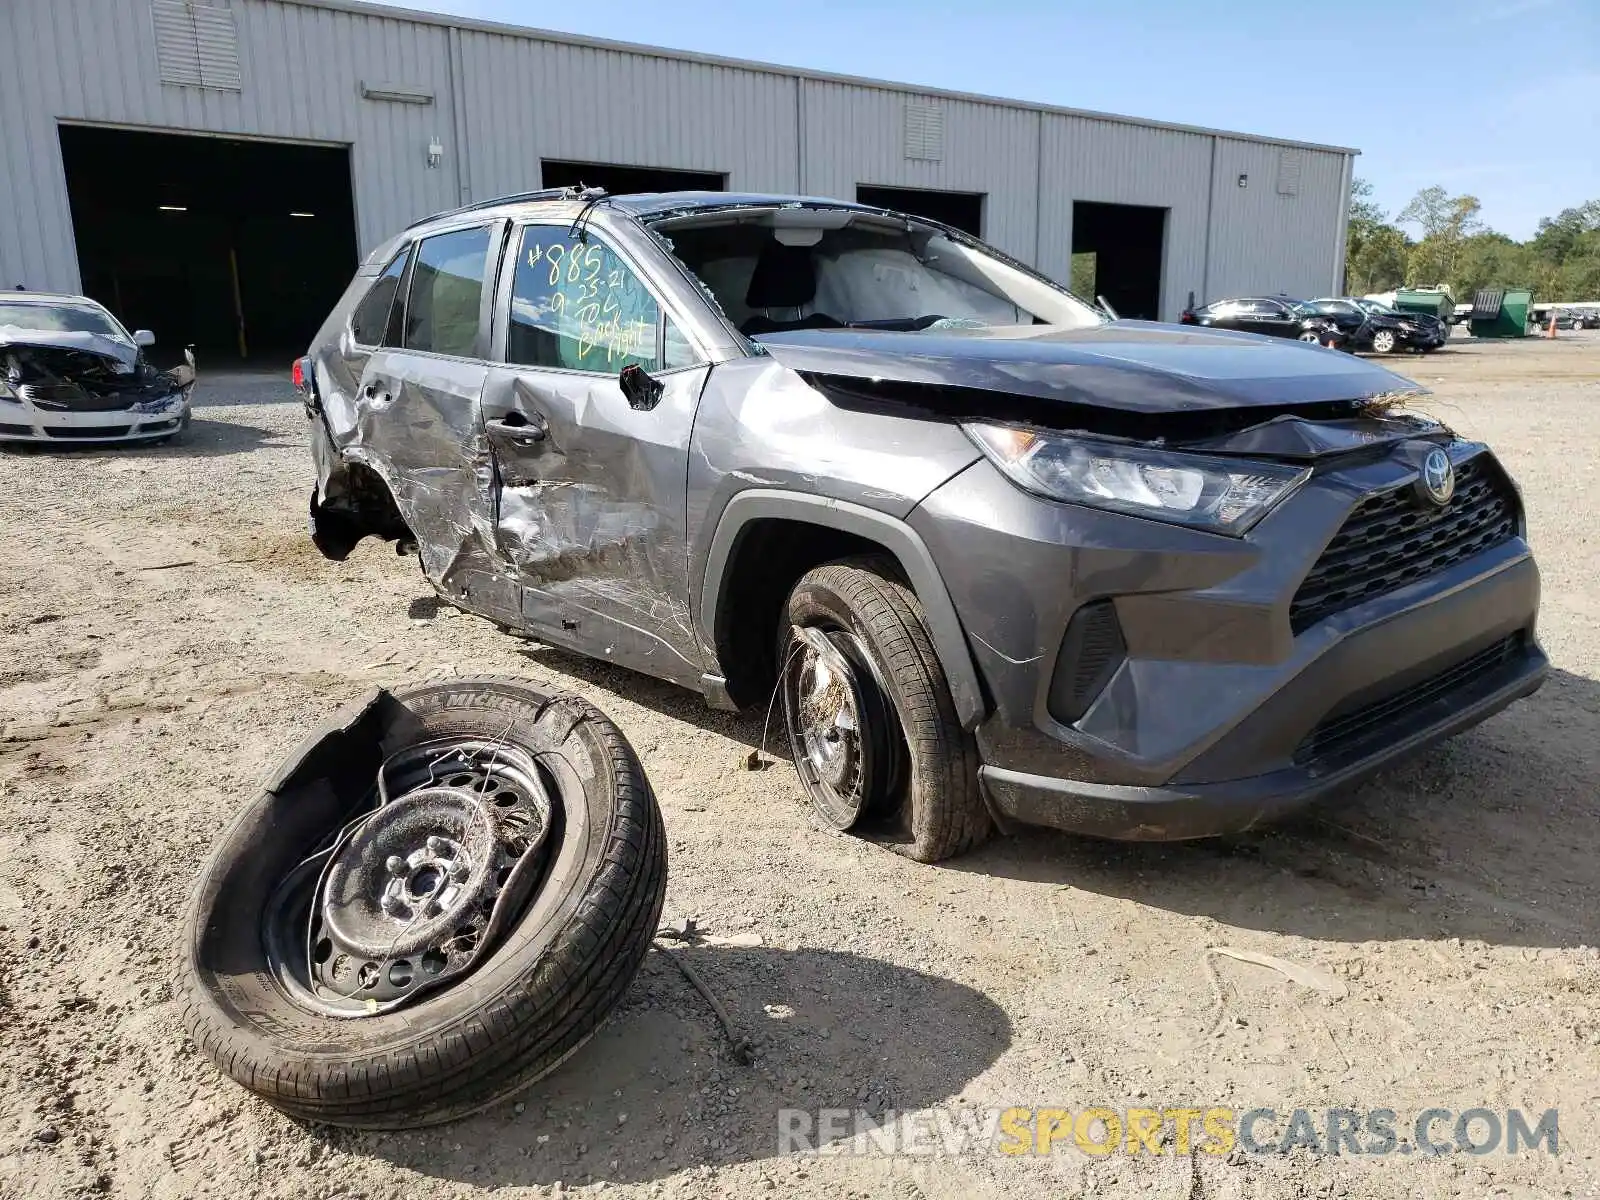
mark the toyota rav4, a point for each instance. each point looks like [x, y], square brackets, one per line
[1005, 561]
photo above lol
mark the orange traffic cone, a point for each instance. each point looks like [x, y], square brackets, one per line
[1552, 330]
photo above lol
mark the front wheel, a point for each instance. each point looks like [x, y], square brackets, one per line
[1384, 341]
[1311, 336]
[871, 723]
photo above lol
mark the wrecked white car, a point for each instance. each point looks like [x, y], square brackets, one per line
[70, 372]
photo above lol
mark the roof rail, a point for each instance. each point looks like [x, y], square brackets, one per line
[559, 193]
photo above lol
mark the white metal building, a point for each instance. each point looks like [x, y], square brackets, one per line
[329, 124]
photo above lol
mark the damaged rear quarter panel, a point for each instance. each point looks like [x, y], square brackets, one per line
[413, 418]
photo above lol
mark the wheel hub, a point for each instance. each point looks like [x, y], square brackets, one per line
[830, 719]
[841, 726]
[414, 892]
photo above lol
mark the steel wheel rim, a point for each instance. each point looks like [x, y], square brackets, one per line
[839, 725]
[419, 885]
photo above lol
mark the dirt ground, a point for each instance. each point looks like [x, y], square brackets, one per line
[167, 632]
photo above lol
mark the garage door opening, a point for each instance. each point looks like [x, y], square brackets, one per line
[961, 210]
[620, 180]
[238, 248]
[1119, 247]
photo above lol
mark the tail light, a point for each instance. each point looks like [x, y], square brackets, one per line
[1187, 318]
[305, 382]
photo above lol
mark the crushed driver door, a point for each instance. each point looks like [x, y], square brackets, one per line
[588, 415]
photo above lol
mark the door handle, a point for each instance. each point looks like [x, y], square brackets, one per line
[529, 434]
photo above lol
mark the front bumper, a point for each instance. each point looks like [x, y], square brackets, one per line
[1180, 811]
[23, 421]
[1421, 338]
[1218, 714]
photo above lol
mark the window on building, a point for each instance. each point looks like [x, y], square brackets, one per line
[446, 291]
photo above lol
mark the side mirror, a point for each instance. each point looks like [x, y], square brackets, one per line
[144, 337]
[642, 389]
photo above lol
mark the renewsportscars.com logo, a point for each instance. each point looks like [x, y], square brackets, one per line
[1179, 1131]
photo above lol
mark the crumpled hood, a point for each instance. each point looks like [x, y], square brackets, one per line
[1135, 366]
[125, 354]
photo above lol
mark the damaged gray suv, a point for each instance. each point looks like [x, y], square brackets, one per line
[1006, 561]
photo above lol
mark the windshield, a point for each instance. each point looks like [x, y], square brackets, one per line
[1372, 306]
[60, 318]
[786, 269]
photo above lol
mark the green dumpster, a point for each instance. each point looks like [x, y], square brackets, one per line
[1436, 302]
[1501, 313]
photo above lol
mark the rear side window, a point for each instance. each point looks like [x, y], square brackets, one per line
[446, 291]
[577, 306]
[371, 318]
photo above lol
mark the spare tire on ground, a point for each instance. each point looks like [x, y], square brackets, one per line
[437, 899]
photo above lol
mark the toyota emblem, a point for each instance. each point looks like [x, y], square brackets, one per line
[1437, 480]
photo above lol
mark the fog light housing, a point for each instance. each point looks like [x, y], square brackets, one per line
[1091, 651]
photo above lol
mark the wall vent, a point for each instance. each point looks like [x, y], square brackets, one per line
[197, 45]
[1288, 172]
[925, 132]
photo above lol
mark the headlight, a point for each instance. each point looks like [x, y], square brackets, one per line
[1220, 494]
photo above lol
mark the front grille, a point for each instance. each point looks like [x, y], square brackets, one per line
[69, 397]
[1390, 540]
[1343, 738]
[90, 431]
[16, 430]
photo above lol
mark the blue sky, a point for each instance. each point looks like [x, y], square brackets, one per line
[1499, 98]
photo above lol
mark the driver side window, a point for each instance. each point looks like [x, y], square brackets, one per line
[576, 305]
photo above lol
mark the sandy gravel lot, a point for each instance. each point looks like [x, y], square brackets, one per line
[167, 632]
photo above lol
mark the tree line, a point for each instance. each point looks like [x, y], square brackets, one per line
[1560, 262]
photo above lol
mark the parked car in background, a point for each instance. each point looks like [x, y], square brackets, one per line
[1353, 321]
[1266, 315]
[998, 556]
[70, 373]
[1409, 330]
[1462, 314]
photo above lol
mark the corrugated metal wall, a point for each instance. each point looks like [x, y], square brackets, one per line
[1266, 242]
[856, 134]
[300, 68]
[528, 100]
[1084, 159]
[502, 102]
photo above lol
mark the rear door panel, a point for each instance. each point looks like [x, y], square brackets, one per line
[418, 422]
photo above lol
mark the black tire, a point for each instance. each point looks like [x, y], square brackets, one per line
[932, 809]
[560, 970]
